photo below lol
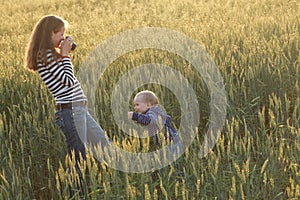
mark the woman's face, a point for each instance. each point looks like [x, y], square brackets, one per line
[58, 37]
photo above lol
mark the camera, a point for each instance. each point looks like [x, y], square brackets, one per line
[74, 45]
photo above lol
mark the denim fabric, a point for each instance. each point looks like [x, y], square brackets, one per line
[79, 127]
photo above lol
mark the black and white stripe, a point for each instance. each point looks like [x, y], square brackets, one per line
[59, 77]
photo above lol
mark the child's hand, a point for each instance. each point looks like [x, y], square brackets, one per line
[130, 115]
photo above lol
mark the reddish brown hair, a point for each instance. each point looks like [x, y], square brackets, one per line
[40, 40]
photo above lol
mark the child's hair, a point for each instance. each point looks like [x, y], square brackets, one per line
[40, 40]
[148, 96]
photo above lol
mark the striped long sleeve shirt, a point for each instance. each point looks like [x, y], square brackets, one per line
[58, 75]
[155, 119]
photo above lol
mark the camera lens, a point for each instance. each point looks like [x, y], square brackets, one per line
[74, 45]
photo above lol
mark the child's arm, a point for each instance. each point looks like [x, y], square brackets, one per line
[143, 119]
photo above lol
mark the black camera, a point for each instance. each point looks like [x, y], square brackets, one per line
[74, 45]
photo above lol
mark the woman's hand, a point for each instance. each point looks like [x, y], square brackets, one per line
[65, 46]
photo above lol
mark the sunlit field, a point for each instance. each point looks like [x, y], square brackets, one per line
[254, 43]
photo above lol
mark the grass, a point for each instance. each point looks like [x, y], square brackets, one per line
[256, 47]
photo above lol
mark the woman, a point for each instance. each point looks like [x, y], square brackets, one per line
[48, 54]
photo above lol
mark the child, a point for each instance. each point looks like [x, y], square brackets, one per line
[148, 113]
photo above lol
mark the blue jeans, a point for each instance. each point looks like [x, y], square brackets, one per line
[79, 129]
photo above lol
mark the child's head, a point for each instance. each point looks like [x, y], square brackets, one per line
[144, 100]
[47, 35]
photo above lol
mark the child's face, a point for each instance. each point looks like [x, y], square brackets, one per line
[140, 105]
[58, 37]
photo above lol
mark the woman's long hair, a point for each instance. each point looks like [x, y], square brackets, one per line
[40, 41]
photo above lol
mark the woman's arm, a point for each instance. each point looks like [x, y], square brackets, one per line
[60, 70]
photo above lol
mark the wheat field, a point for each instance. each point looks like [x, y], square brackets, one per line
[255, 44]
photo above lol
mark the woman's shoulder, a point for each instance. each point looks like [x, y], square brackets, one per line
[47, 56]
[51, 53]
[45, 53]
